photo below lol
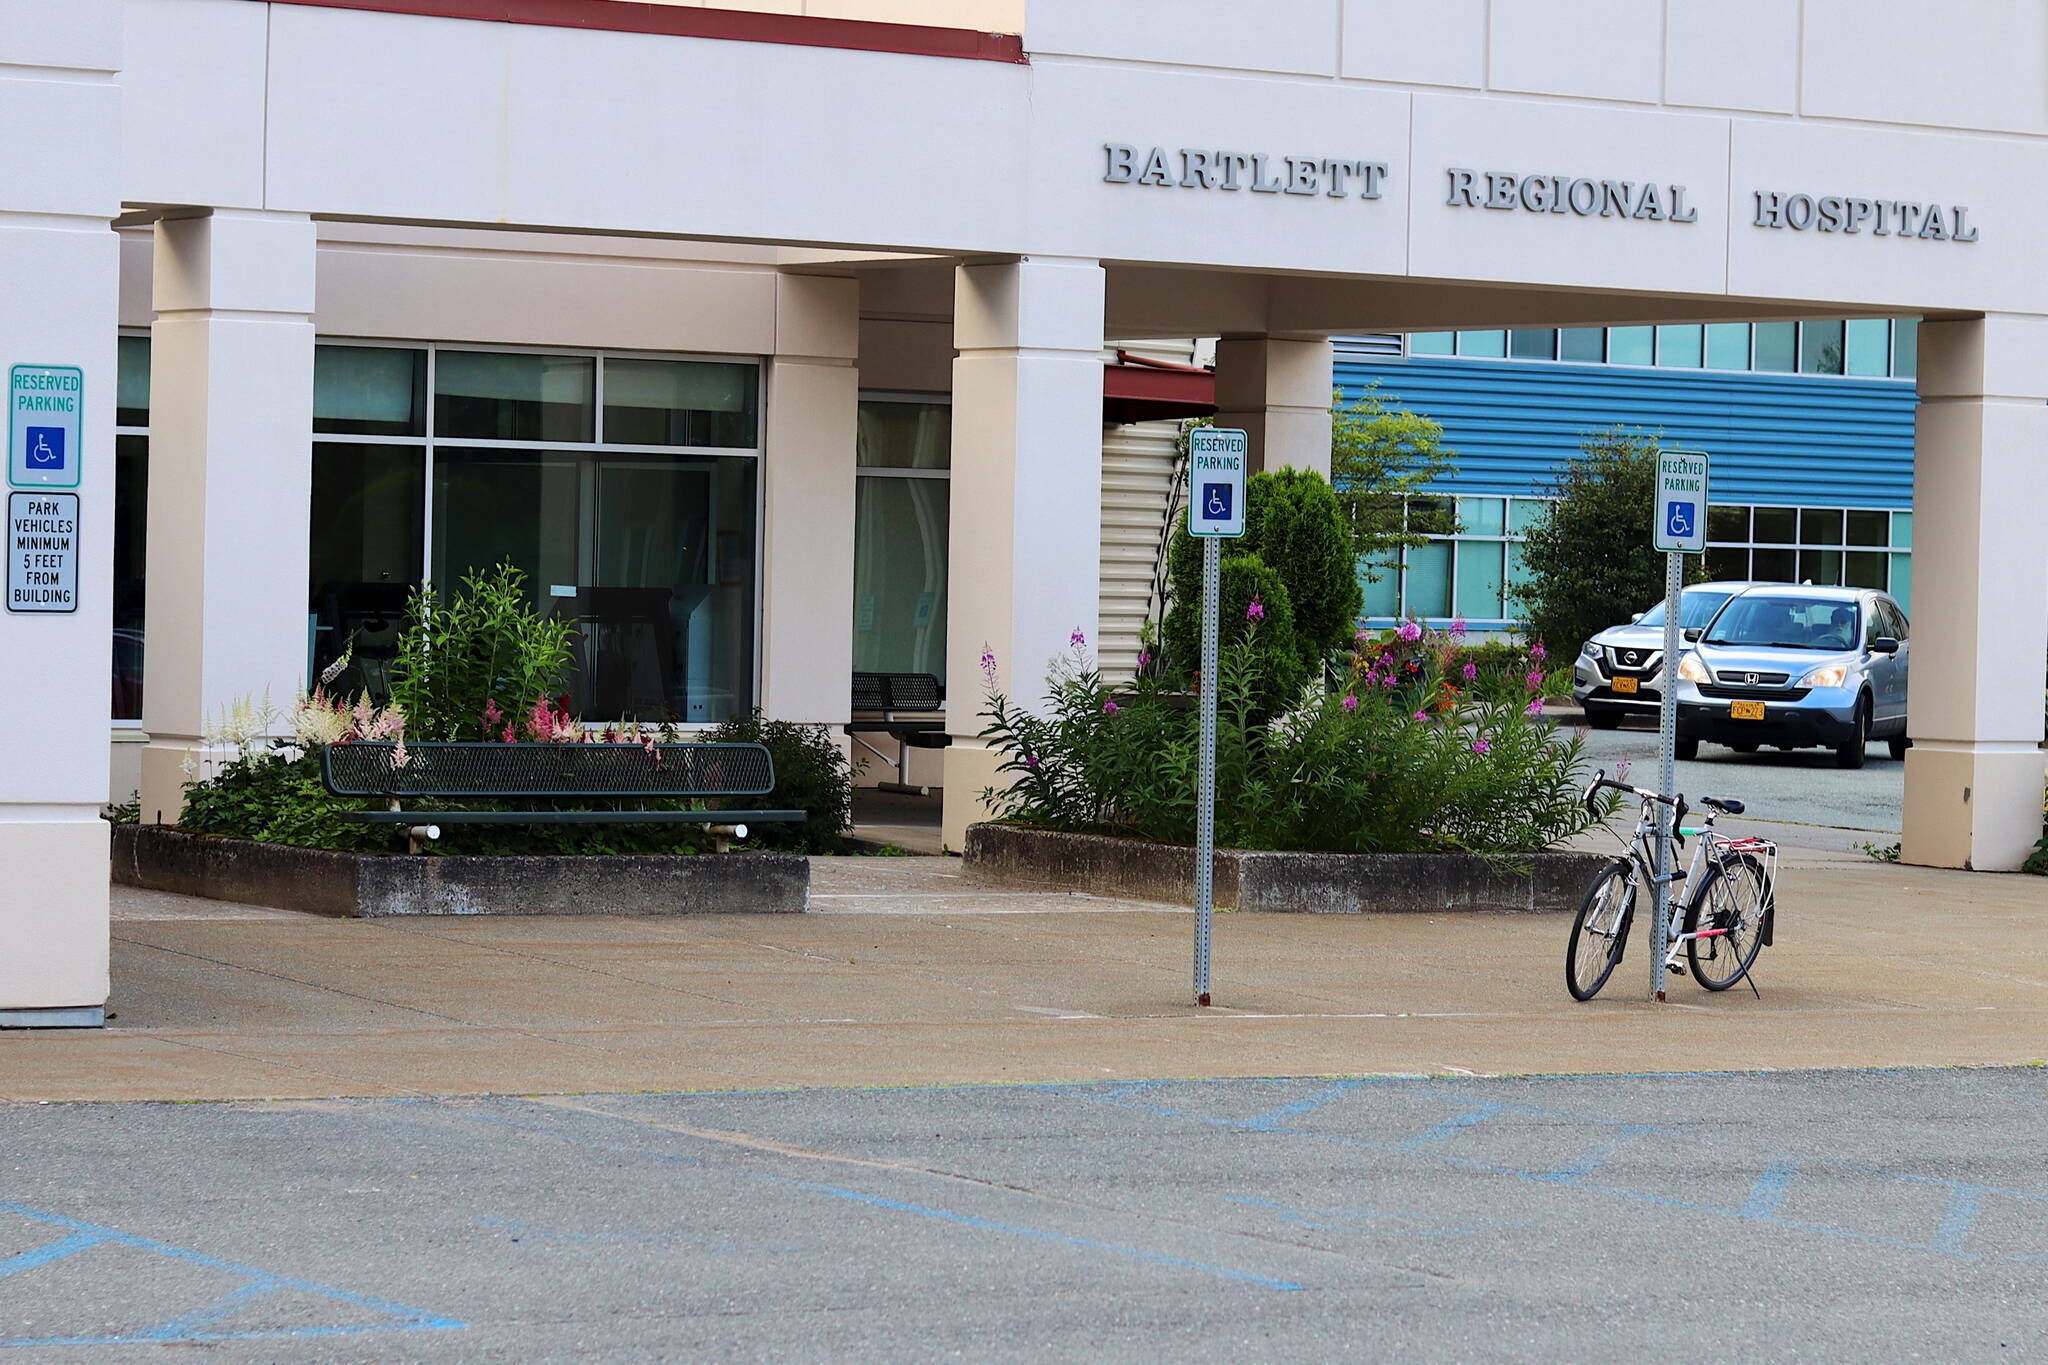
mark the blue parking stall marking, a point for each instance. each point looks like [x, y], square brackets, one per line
[1456, 1123]
[190, 1326]
[1581, 1167]
[1307, 1104]
[1769, 1190]
[1965, 1202]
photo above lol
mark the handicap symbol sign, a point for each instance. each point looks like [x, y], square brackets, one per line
[1216, 501]
[44, 447]
[1678, 520]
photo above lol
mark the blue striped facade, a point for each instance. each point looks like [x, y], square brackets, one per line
[1774, 438]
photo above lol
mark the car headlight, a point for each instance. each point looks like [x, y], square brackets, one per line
[1589, 651]
[1692, 670]
[1830, 676]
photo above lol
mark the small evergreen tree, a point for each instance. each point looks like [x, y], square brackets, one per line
[1587, 559]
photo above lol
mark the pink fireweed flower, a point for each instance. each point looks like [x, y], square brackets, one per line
[1535, 707]
[1422, 715]
[1077, 639]
[1109, 708]
[1031, 760]
[1387, 682]
[1351, 703]
[1256, 611]
[1144, 658]
[1471, 672]
[988, 666]
[1480, 746]
[1621, 769]
[1534, 677]
[1537, 652]
[1457, 628]
[1409, 631]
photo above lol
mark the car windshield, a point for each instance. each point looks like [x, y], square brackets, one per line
[1787, 623]
[1695, 609]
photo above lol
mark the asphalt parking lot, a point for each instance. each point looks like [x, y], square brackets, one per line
[1787, 1216]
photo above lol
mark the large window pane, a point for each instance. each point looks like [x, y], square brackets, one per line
[899, 575]
[364, 556]
[1479, 580]
[1870, 347]
[1902, 530]
[1868, 527]
[1431, 343]
[1482, 516]
[1728, 524]
[1820, 348]
[893, 435]
[679, 403]
[131, 524]
[1821, 567]
[369, 391]
[1517, 575]
[1524, 513]
[1906, 348]
[1902, 581]
[1777, 347]
[1774, 566]
[1727, 345]
[1585, 345]
[131, 383]
[1862, 569]
[1728, 564]
[1630, 345]
[1429, 579]
[1776, 526]
[1490, 344]
[1680, 346]
[507, 397]
[1820, 526]
[1382, 593]
[1533, 343]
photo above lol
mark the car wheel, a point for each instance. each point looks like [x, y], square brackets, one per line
[1687, 749]
[1850, 752]
[1603, 718]
[1898, 744]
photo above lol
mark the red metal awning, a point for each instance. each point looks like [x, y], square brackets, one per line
[1138, 389]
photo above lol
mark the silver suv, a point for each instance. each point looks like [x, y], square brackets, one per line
[1617, 671]
[1797, 667]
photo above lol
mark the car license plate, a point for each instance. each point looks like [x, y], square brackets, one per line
[1624, 684]
[1745, 710]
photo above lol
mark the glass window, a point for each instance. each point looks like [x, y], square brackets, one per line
[679, 403]
[1823, 567]
[1905, 348]
[1777, 347]
[1481, 516]
[1870, 347]
[1728, 563]
[1585, 345]
[507, 396]
[1630, 345]
[369, 391]
[131, 541]
[1429, 579]
[1431, 343]
[1479, 580]
[364, 556]
[1517, 576]
[1382, 593]
[1728, 523]
[1489, 344]
[1863, 569]
[1902, 531]
[1680, 346]
[1533, 343]
[903, 435]
[1820, 526]
[1776, 526]
[1433, 516]
[1902, 582]
[1696, 607]
[1524, 513]
[1773, 566]
[1868, 527]
[1794, 622]
[1727, 345]
[1820, 348]
[131, 382]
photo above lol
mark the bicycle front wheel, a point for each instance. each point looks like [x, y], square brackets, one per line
[1600, 933]
[1731, 903]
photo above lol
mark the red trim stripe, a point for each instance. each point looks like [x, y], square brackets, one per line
[626, 16]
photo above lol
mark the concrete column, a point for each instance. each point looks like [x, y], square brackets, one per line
[812, 402]
[1278, 390]
[1980, 594]
[1025, 558]
[58, 91]
[230, 479]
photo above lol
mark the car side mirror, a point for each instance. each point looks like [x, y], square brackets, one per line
[1884, 644]
[1692, 636]
[1637, 617]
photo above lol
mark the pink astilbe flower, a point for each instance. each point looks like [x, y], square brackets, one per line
[492, 715]
[509, 736]
[363, 716]
[399, 756]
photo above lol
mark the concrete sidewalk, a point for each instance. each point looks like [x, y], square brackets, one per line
[910, 974]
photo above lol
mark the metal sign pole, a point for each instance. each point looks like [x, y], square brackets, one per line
[1667, 775]
[1205, 770]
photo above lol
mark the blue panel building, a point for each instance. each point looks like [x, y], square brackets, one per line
[1810, 427]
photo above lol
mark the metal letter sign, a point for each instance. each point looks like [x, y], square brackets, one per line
[1681, 507]
[42, 552]
[44, 406]
[1217, 457]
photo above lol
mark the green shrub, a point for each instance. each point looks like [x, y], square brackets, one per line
[812, 774]
[484, 645]
[1276, 663]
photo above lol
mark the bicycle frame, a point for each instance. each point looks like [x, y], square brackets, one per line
[1639, 850]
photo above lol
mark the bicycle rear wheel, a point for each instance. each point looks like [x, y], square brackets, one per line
[1600, 933]
[1733, 898]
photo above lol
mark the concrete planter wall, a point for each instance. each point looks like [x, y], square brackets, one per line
[371, 885]
[1311, 883]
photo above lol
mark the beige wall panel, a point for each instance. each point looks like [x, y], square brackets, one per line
[2004, 183]
[807, 541]
[1976, 64]
[1272, 35]
[1416, 42]
[1732, 54]
[138, 247]
[53, 913]
[187, 145]
[1563, 248]
[912, 357]
[1597, 49]
[523, 300]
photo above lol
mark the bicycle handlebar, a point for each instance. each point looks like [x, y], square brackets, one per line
[1601, 779]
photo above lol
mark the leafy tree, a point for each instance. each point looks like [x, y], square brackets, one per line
[1380, 458]
[1587, 559]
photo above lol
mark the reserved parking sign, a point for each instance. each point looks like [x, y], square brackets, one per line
[1680, 521]
[1217, 457]
[45, 406]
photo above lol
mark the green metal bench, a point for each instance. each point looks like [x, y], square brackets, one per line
[574, 772]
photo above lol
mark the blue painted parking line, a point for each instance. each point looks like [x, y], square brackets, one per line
[190, 1326]
[1307, 1104]
[1456, 1123]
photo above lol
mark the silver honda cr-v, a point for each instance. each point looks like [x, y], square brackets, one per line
[1795, 668]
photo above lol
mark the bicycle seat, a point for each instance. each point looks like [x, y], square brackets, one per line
[1727, 805]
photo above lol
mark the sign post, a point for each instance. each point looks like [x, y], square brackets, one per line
[1679, 528]
[1217, 460]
